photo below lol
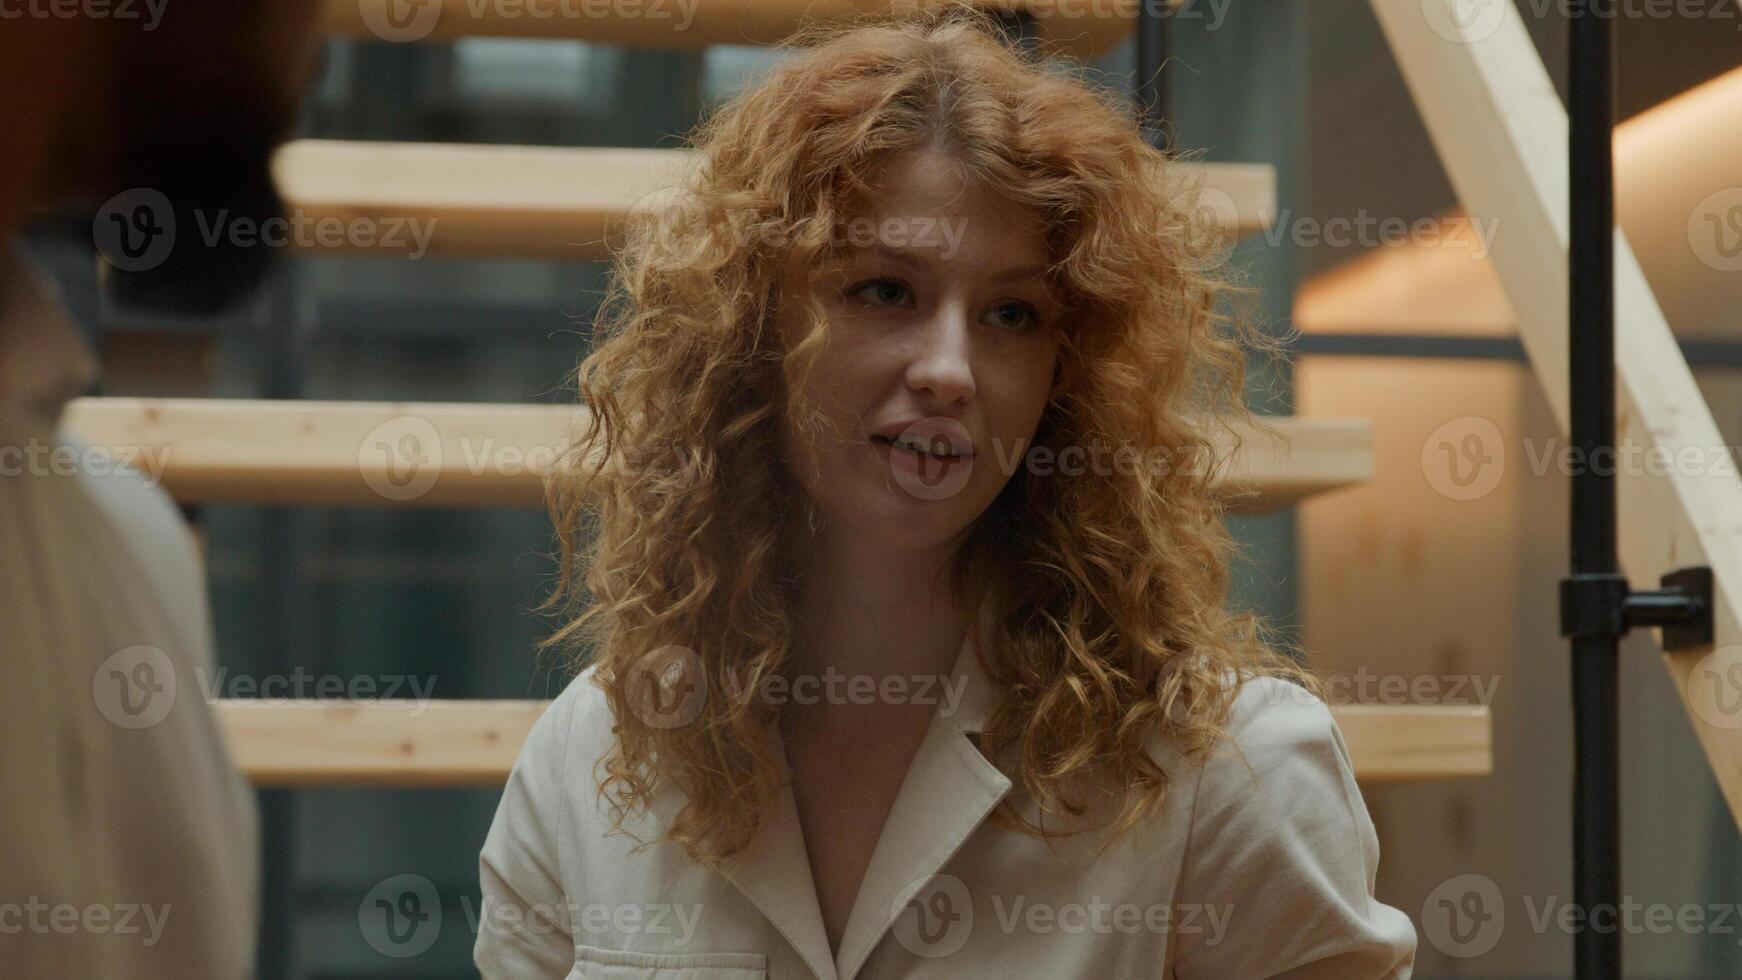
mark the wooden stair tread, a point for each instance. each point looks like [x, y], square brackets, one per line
[495, 455]
[474, 199]
[408, 743]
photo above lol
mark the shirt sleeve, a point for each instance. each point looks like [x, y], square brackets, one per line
[1282, 854]
[524, 930]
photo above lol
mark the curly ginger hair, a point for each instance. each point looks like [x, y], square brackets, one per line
[1107, 593]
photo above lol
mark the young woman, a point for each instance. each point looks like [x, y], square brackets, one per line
[903, 576]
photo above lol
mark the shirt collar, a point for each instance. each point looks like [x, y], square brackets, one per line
[950, 789]
[970, 677]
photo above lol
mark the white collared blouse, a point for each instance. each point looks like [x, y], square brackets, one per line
[1262, 867]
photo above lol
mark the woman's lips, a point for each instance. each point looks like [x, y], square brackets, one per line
[922, 474]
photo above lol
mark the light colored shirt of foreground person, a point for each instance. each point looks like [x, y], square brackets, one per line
[1259, 863]
[128, 841]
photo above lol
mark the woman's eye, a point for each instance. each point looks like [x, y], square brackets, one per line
[875, 289]
[1022, 309]
[889, 292]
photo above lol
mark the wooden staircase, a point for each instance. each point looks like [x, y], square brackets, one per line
[463, 455]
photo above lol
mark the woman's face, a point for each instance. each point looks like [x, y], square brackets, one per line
[942, 331]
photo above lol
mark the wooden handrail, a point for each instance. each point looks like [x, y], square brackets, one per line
[408, 743]
[412, 199]
[436, 454]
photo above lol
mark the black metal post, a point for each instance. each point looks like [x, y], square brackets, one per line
[1597, 605]
[1591, 339]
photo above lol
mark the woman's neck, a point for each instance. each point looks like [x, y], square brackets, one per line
[868, 611]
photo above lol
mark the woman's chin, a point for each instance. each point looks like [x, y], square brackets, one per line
[897, 513]
[903, 521]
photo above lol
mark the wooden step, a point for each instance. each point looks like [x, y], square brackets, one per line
[402, 743]
[408, 743]
[480, 200]
[1082, 32]
[452, 454]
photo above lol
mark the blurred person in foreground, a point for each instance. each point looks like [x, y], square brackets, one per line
[127, 837]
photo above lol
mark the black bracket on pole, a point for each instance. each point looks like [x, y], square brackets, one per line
[1596, 604]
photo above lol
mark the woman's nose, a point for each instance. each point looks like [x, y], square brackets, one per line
[942, 361]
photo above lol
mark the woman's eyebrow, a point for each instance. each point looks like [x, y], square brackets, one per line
[912, 257]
